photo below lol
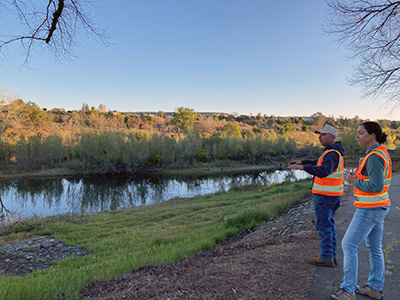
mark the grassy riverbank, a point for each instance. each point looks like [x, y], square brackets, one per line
[123, 241]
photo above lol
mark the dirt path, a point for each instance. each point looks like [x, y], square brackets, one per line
[267, 263]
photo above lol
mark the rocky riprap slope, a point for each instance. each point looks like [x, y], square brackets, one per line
[20, 258]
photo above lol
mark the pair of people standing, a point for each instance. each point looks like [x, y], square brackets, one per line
[371, 185]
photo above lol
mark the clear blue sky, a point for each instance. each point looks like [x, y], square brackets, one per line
[244, 56]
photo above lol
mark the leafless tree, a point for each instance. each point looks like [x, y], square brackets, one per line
[55, 24]
[370, 30]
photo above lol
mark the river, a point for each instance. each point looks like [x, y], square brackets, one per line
[87, 195]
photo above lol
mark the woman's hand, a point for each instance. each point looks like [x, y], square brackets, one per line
[350, 178]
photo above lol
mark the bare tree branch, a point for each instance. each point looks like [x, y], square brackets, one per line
[56, 16]
[370, 31]
[57, 24]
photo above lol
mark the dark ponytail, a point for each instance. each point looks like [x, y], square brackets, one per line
[373, 127]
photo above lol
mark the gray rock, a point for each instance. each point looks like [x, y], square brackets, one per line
[48, 244]
[30, 248]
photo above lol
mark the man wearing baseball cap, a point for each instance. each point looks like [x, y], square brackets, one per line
[328, 190]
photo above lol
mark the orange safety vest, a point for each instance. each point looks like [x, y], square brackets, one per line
[331, 185]
[368, 199]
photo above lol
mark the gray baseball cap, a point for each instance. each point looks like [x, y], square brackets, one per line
[328, 129]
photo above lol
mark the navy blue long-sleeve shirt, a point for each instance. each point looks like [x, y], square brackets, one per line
[329, 164]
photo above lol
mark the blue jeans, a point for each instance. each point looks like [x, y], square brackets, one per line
[367, 224]
[325, 208]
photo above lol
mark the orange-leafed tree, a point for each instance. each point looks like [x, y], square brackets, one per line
[10, 105]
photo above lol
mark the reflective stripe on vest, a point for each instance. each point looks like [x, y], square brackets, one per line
[368, 199]
[331, 185]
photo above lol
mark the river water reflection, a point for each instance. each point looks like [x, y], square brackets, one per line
[86, 195]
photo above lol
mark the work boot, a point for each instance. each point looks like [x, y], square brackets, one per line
[342, 294]
[335, 260]
[316, 261]
[366, 290]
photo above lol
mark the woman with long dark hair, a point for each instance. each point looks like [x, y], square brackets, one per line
[371, 185]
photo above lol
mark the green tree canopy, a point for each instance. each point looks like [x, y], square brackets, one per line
[184, 118]
[232, 129]
[287, 127]
[34, 116]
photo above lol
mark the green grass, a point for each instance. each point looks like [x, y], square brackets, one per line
[123, 241]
